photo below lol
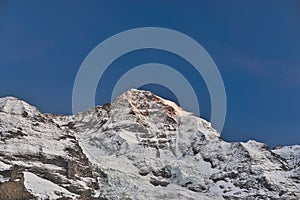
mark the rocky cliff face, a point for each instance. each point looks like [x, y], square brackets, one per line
[138, 147]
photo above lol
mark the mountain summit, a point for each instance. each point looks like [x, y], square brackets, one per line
[138, 147]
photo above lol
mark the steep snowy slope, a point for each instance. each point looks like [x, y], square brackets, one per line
[138, 147]
[33, 142]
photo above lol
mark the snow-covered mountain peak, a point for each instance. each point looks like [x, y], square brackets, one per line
[138, 147]
[15, 106]
[141, 102]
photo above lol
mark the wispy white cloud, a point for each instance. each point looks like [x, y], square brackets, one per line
[285, 70]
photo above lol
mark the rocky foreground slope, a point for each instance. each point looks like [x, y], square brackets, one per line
[138, 147]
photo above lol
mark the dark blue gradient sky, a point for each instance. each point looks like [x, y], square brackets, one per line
[256, 46]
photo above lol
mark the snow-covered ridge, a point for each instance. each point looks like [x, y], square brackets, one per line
[138, 147]
[143, 100]
[290, 153]
[12, 105]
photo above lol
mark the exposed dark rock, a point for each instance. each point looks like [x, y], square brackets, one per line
[157, 182]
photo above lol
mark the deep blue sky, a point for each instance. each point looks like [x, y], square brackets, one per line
[256, 46]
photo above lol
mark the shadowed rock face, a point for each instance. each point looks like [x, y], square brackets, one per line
[138, 147]
[14, 189]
